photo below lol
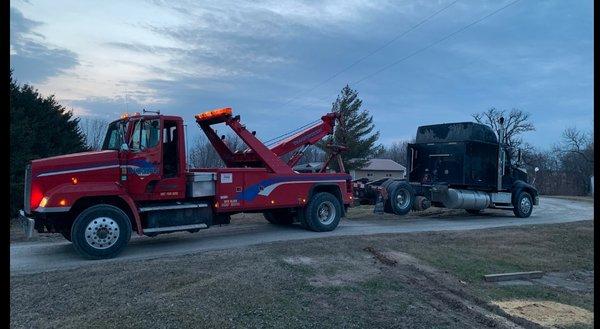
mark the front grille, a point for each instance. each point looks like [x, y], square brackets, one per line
[27, 189]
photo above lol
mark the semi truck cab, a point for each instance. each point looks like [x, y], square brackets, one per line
[460, 165]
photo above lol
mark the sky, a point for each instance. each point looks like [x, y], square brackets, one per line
[281, 64]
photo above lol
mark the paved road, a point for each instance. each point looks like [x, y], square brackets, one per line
[41, 257]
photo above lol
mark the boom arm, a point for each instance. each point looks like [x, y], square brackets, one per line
[257, 153]
[303, 139]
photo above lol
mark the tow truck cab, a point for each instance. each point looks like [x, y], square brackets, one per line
[139, 181]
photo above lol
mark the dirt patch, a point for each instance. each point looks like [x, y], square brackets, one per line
[577, 281]
[548, 313]
[349, 278]
[382, 258]
[299, 260]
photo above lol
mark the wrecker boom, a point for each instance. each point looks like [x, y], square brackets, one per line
[257, 154]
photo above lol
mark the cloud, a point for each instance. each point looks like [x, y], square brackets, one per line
[30, 57]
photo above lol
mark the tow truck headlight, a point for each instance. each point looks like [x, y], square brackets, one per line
[44, 202]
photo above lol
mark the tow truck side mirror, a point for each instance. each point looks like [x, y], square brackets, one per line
[124, 147]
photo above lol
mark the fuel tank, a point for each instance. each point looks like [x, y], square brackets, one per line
[466, 199]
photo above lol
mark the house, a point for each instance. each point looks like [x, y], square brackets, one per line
[379, 168]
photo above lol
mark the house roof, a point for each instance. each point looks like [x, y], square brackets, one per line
[383, 165]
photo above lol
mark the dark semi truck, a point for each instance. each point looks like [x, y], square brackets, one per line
[461, 166]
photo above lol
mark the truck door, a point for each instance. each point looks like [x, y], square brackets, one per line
[172, 183]
[143, 161]
[154, 163]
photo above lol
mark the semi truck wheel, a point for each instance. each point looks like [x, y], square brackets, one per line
[279, 217]
[401, 198]
[101, 231]
[387, 206]
[323, 212]
[523, 205]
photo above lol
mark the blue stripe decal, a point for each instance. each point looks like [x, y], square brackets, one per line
[251, 192]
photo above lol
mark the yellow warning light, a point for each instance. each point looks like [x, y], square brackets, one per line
[124, 115]
[218, 113]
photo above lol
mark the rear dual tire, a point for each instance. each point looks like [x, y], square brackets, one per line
[323, 213]
[401, 197]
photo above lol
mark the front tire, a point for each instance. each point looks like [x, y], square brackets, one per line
[101, 232]
[323, 212]
[523, 205]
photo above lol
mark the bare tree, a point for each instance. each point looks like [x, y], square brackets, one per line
[567, 167]
[202, 154]
[516, 123]
[94, 130]
[579, 144]
[397, 151]
[576, 153]
[313, 154]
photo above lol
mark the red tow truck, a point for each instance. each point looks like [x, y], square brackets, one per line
[139, 181]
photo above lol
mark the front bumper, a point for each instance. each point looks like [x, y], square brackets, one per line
[27, 224]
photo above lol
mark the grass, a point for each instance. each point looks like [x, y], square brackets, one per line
[549, 248]
[331, 282]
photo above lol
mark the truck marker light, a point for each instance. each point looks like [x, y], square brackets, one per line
[62, 202]
[124, 115]
[74, 180]
[272, 201]
[214, 114]
[44, 202]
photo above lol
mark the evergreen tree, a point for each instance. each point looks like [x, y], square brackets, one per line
[357, 131]
[39, 128]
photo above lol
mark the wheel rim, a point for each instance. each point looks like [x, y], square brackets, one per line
[326, 212]
[525, 205]
[402, 199]
[102, 233]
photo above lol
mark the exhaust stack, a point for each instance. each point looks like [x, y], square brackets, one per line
[501, 159]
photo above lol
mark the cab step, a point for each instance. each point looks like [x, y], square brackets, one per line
[175, 228]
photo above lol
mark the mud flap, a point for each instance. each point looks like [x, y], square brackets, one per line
[381, 198]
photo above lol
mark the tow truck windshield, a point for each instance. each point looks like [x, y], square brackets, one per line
[115, 135]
